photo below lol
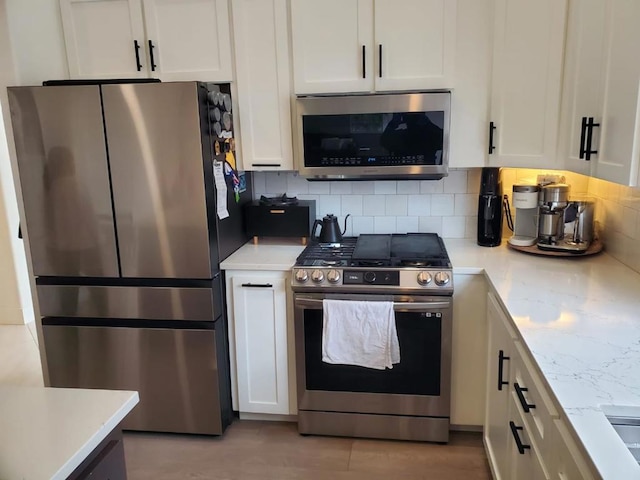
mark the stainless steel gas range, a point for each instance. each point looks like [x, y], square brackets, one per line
[410, 401]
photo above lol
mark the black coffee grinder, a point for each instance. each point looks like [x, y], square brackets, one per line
[490, 208]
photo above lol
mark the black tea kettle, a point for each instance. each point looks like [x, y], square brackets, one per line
[330, 230]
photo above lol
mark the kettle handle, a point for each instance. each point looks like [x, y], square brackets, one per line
[313, 230]
[345, 224]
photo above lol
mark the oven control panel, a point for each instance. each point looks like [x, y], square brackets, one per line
[411, 278]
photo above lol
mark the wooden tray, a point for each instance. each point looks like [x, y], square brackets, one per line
[595, 247]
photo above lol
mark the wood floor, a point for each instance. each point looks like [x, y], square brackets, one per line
[252, 450]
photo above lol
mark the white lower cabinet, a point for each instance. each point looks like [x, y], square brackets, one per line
[259, 338]
[524, 436]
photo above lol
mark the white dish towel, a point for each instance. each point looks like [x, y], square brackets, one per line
[360, 333]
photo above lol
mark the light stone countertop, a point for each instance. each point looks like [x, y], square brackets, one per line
[270, 254]
[579, 318]
[45, 433]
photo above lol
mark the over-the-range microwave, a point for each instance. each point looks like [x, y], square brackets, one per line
[373, 136]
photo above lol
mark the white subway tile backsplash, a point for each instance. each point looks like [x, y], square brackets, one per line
[384, 187]
[407, 224]
[473, 180]
[384, 224]
[259, 185]
[455, 182]
[351, 204]
[453, 227]
[471, 227]
[465, 204]
[430, 225]
[320, 188]
[442, 204]
[419, 205]
[329, 204]
[296, 185]
[363, 187]
[276, 183]
[431, 186]
[408, 186]
[373, 205]
[340, 188]
[362, 225]
[395, 205]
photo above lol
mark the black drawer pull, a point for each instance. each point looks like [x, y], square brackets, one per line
[526, 406]
[266, 165]
[364, 62]
[380, 62]
[257, 285]
[136, 48]
[516, 436]
[153, 62]
[492, 128]
[501, 359]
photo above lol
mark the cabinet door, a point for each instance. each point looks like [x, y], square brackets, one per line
[264, 92]
[414, 44]
[583, 73]
[102, 37]
[260, 323]
[618, 152]
[190, 39]
[332, 43]
[496, 425]
[525, 464]
[527, 74]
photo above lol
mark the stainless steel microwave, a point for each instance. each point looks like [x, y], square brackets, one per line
[378, 136]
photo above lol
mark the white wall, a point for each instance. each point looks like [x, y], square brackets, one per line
[15, 294]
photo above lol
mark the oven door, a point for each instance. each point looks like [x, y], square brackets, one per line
[419, 385]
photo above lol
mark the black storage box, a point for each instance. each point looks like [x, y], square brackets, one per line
[280, 220]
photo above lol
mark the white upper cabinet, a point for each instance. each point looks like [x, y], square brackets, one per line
[260, 29]
[527, 74]
[601, 116]
[102, 37]
[372, 45]
[167, 39]
[190, 39]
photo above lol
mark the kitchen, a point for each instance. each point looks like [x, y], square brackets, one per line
[446, 207]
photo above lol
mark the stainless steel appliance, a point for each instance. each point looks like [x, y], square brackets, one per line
[373, 136]
[120, 209]
[525, 203]
[411, 401]
[577, 228]
[553, 201]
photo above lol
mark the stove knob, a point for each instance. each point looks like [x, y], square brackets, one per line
[424, 278]
[442, 278]
[333, 276]
[301, 276]
[317, 276]
[369, 277]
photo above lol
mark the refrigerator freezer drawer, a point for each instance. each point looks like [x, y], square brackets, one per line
[149, 303]
[179, 374]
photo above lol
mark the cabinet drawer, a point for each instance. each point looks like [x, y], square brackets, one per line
[533, 400]
[567, 461]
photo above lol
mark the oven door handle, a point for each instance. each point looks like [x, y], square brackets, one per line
[403, 306]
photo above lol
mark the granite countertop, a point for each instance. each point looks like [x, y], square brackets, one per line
[578, 317]
[48, 432]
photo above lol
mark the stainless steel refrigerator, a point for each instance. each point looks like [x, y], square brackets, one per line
[125, 239]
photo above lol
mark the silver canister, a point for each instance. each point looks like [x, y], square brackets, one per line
[578, 218]
[554, 196]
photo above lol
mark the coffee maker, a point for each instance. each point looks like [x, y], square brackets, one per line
[525, 227]
[577, 228]
[490, 208]
[554, 199]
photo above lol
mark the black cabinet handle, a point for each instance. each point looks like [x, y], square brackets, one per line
[492, 128]
[516, 436]
[153, 62]
[380, 60]
[589, 127]
[19, 229]
[257, 285]
[583, 133]
[501, 359]
[266, 165]
[136, 48]
[526, 406]
[364, 62]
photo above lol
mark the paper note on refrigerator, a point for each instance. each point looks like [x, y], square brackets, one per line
[221, 188]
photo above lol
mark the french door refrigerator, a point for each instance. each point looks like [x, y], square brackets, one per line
[121, 213]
